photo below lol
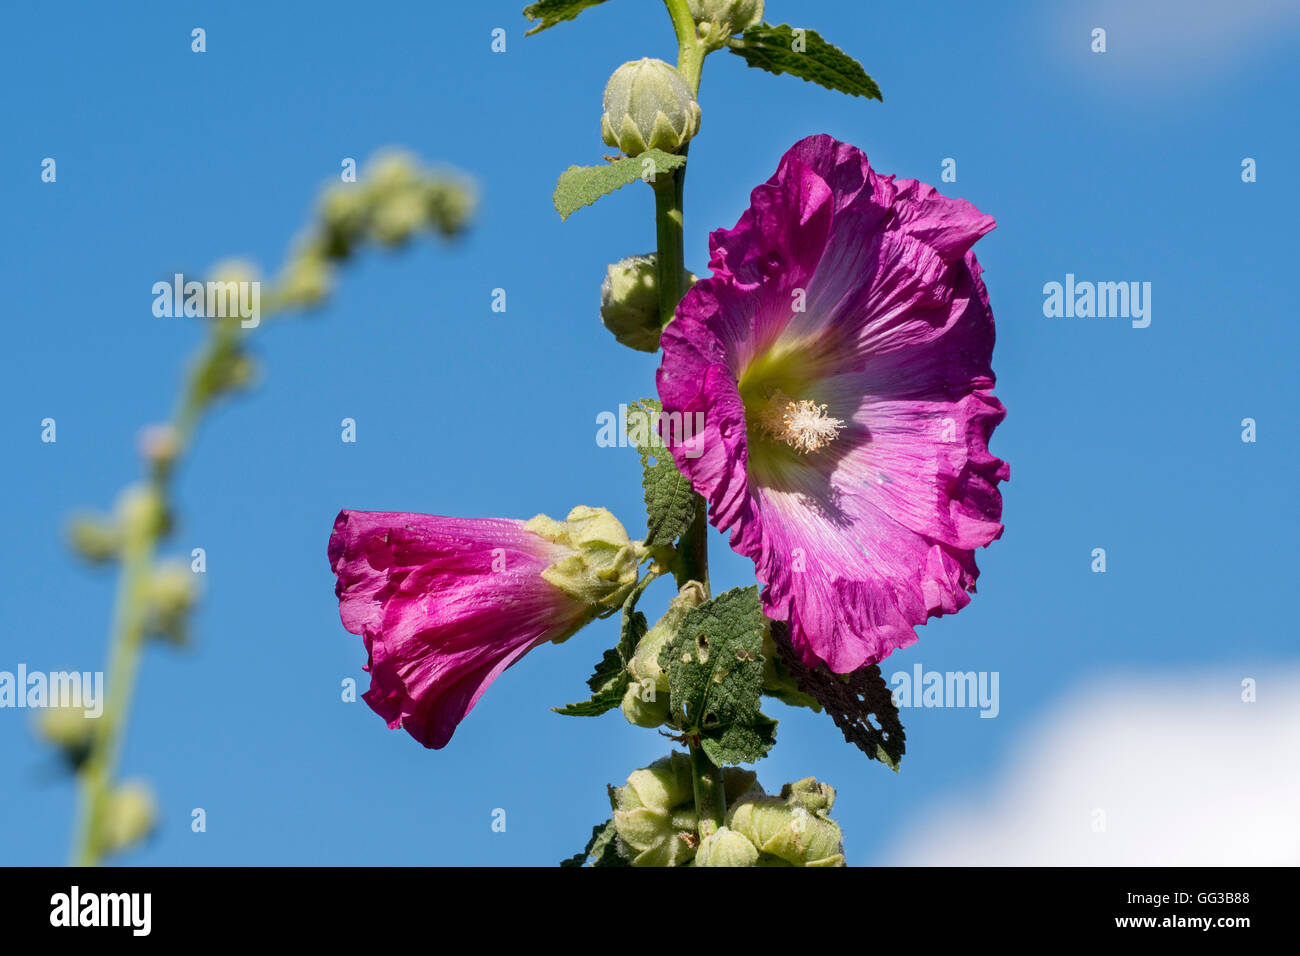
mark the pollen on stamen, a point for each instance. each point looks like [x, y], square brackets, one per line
[803, 425]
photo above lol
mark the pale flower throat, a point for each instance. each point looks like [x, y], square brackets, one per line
[803, 425]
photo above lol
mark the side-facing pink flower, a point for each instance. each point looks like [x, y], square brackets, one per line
[841, 356]
[444, 605]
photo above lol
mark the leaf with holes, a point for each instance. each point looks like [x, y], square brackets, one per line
[860, 703]
[715, 678]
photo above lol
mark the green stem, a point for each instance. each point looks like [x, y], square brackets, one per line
[670, 257]
[710, 797]
[690, 49]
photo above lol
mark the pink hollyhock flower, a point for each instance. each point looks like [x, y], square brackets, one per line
[841, 355]
[444, 605]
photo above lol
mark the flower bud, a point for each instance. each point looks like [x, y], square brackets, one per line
[129, 815]
[159, 445]
[648, 105]
[449, 205]
[604, 568]
[722, 18]
[644, 705]
[726, 847]
[306, 281]
[170, 592]
[69, 729]
[629, 302]
[653, 815]
[398, 216]
[95, 539]
[344, 212]
[141, 513]
[784, 828]
[645, 659]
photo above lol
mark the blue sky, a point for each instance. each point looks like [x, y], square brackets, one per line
[1123, 166]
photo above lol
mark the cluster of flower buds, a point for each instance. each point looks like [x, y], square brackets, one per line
[394, 199]
[654, 813]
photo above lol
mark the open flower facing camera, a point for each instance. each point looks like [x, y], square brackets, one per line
[838, 360]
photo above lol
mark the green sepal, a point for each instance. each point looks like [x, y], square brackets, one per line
[610, 680]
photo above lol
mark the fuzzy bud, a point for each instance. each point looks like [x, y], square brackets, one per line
[726, 847]
[786, 829]
[129, 815]
[629, 302]
[604, 567]
[653, 815]
[719, 19]
[648, 105]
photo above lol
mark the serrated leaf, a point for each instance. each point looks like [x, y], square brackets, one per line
[602, 848]
[580, 186]
[669, 500]
[741, 743]
[610, 680]
[551, 12]
[803, 53]
[860, 703]
[715, 677]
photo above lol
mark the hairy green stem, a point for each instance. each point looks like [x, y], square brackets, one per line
[693, 550]
[710, 797]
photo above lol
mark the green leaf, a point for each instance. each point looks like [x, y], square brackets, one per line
[602, 848]
[609, 682]
[551, 12]
[741, 743]
[582, 185]
[803, 53]
[669, 501]
[715, 677]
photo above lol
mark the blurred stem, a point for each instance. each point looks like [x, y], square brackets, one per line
[126, 639]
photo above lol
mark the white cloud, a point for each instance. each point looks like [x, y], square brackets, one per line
[1180, 42]
[1182, 772]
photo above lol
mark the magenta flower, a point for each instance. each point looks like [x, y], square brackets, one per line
[841, 356]
[444, 605]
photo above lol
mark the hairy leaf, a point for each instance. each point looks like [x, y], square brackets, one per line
[548, 13]
[803, 53]
[669, 501]
[715, 677]
[610, 680]
[582, 185]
